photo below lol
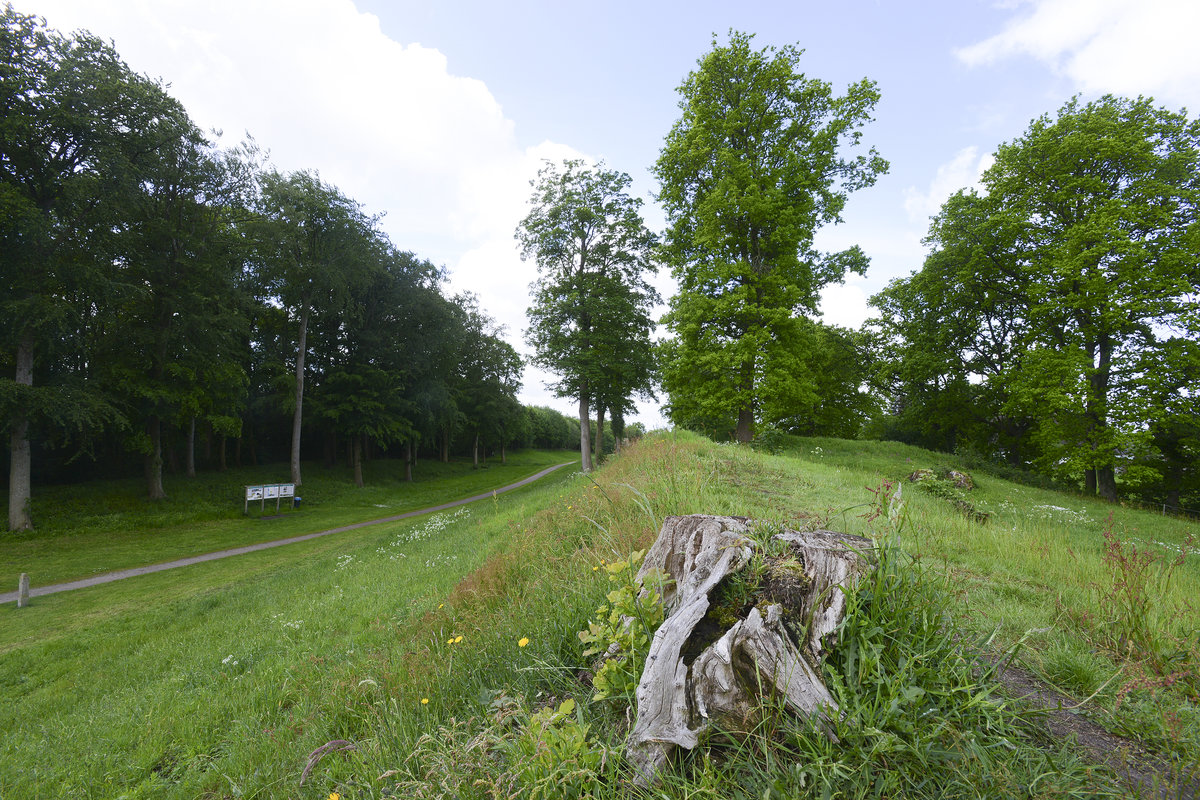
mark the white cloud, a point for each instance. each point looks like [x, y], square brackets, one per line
[961, 172]
[1128, 47]
[844, 305]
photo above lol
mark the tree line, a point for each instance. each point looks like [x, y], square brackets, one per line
[163, 299]
[1053, 327]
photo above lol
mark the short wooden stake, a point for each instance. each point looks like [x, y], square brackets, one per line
[23, 590]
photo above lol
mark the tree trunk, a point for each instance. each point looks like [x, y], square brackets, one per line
[1106, 483]
[503, 455]
[585, 431]
[190, 452]
[298, 414]
[1089, 482]
[357, 453]
[1096, 409]
[745, 424]
[599, 434]
[224, 439]
[745, 421]
[154, 460]
[475, 453]
[446, 446]
[408, 460]
[21, 463]
[1172, 499]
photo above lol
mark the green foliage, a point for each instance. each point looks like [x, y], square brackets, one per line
[1053, 325]
[768, 439]
[554, 755]
[748, 173]
[952, 486]
[590, 320]
[1138, 618]
[623, 628]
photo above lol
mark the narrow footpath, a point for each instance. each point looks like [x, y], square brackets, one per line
[109, 577]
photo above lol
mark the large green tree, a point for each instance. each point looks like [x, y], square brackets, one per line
[752, 168]
[182, 308]
[1049, 290]
[590, 319]
[315, 246]
[952, 335]
[488, 379]
[76, 126]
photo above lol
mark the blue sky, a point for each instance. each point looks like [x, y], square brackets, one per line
[439, 113]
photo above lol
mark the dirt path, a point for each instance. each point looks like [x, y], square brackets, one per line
[109, 577]
[1145, 774]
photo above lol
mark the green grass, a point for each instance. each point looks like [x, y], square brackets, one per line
[165, 711]
[109, 525]
[221, 677]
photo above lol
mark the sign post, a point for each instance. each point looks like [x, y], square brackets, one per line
[268, 491]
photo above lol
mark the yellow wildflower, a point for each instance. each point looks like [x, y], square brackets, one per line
[457, 639]
[524, 641]
[424, 701]
[334, 796]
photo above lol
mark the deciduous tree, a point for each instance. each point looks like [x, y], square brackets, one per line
[1051, 288]
[752, 168]
[590, 319]
[74, 122]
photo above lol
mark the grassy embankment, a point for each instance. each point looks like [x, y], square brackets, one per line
[222, 687]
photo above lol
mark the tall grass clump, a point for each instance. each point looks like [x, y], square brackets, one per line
[921, 712]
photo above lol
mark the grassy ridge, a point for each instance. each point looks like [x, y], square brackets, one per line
[223, 688]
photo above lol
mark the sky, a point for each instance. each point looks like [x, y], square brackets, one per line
[438, 114]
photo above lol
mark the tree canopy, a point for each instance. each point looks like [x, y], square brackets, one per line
[1058, 310]
[752, 168]
[590, 319]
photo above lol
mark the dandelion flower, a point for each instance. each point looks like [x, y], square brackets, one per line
[524, 641]
[424, 701]
[457, 639]
[595, 568]
[334, 796]
[450, 640]
[441, 604]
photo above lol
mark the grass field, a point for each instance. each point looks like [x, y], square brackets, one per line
[109, 525]
[438, 648]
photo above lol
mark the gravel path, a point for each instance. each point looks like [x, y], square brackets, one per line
[109, 577]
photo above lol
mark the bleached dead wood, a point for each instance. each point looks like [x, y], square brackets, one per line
[677, 700]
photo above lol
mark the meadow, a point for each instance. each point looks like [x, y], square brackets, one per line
[439, 657]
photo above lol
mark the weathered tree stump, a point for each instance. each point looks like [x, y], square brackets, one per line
[713, 663]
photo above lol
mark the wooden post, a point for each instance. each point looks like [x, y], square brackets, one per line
[23, 590]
